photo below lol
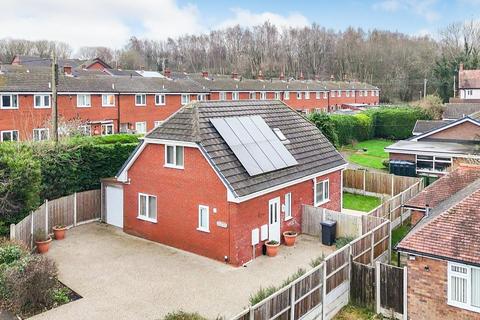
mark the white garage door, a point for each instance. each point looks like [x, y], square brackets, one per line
[114, 206]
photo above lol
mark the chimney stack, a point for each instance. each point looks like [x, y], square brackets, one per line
[205, 74]
[234, 75]
[167, 73]
[301, 76]
[67, 69]
[282, 76]
[260, 75]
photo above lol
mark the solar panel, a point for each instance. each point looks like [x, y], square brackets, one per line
[255, 145]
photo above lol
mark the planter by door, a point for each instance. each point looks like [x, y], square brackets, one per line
[290, 237]
[272, 248]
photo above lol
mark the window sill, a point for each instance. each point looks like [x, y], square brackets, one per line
[147, 219]
[41, 107]
[171, 166]
[140, 105]
[288, 219]
[109, 106]
[321, 203]
[160, 105]
[8, 108]
[84, 106]
[203, 230]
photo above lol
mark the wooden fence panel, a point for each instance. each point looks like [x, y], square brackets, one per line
[362, 285]
[353, 179]
[60, 212]
[348, 225]
[88, 205]
[23, 231]
[277, 306]
[337, 266]
[308, 292]
[391, 288]
[311, 218]
[39, 222]
[378, 183]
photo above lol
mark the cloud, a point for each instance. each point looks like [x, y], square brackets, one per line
[423, 8]
[247, 18]
[97, 23]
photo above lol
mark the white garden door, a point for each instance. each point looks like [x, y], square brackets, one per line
[274, 219]
[114, 206]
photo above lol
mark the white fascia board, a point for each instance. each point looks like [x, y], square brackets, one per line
[285, 185]
[425, 153]
[171, 142]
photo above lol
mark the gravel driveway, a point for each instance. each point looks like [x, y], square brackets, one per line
[124, 277]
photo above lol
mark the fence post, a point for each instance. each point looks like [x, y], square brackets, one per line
[324, 289]
[75, 209]
[31, 230]
[364, 182]
[377, 287]
[393, 185]
[12, 231]
[46, 218]
[251, 315]
[405, 293]
[292, 302]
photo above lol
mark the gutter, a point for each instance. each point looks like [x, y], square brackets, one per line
[435, 256]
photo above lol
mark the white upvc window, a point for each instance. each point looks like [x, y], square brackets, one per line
[147, 207]
[41, 101]
[107, 129]
[85, 130]
[278, 95]
[436, 164]
[347, 93]
[286, 95]
[140, 99]
[222, 95]
[333, 94]
[372, 93]
[464, 286]
[203, 218]
[263, 95]
[141, 127]
[9, 101]
[325, 95]
[84, 100]
[108, 100]
[299, 95]
[339, 93]
[41, 134]
[185, 99]
[365, 93]
[235, 95]
[322, 191]
[9, 135]
[157, 123]
[361, 94]
[288, 206]
[174, 156]
[307, 95]
[160, 99]
[353, 93]
[201, 97]
[252, 95]
[376, 93]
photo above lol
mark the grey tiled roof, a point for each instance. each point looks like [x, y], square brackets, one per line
[313, 152]
[35, 61]
[422, 126]
[460, 110]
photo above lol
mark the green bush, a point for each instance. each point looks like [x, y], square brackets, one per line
[324, 123]
[182, 315]
[350, 128]
[343, 241]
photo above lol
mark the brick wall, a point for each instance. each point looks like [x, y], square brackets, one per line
[402, 156]
[427, 292]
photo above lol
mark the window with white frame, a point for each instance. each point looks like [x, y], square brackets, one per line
[174, 156]
[317, 95]
[263, 95]
[307, 95]
[361, 94]
[372, 93]
[353, 93]
[286, 95]
[325, 95]
[41, 101]
[141, 127]
[157, 123]
[107, 129]
[333, 94]
[322, 191]
[203, 218]
[299, 95]
[464, 286]
[339, 93]
[185, 99]
[235, 95]
[288, 206]
[84, 100]
[85, 130]
[201, 97]
[108, 100]
[427, 164]
[376, 93]
[252, 95]
[347, 93]
[9, 101]
[147, 207]
[41, 134]
[222, 95]
[9, 135]
[365, 93]
[277, 95]
[140, 99]
[160, 100]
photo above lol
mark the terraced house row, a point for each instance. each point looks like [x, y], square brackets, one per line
[99, 100]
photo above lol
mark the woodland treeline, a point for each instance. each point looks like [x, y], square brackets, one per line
[395, 62]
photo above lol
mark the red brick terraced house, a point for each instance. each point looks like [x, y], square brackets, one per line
[444, 254]
[221, 178]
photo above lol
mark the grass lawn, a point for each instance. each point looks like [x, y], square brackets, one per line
[360, 202]
[350, 312]
[398, 234]
[368, 153]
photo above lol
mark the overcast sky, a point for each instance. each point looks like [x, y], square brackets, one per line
[111, 22]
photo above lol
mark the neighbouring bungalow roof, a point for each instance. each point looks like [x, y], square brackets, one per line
[445, 187]
[313, 152]
[422, 126]
[434, 147]
[469, 79]
[450, 233]
[460, 110]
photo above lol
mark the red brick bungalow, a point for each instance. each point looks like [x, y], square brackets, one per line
[186, 187]
[444, 256]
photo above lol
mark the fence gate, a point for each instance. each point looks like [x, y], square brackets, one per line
[362, 285]
[391, 290]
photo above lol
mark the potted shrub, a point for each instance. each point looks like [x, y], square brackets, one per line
[59, 232]
[272, 248]
[290, 237]
[42, 241]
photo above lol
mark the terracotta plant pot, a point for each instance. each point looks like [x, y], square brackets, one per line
[290, 237]
[272, 248]
[43, 246]
[59, 232]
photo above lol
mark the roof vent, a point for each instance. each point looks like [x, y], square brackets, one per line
[280, 134]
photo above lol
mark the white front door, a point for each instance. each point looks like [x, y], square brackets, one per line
[274, 219]
[114, 206]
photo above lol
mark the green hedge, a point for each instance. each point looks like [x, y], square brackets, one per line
[357, 127]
